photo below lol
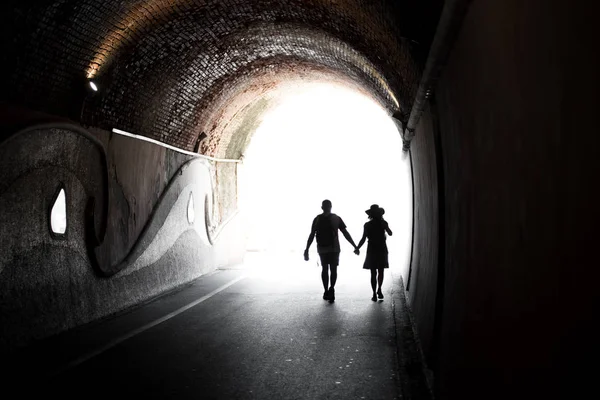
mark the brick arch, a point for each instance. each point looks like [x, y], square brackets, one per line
[141, 53]
[236, 108]
[367, 24]
[173, 101]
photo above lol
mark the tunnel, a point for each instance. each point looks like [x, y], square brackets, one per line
[126, 133]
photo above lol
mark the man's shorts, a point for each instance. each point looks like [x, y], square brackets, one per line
[332, 259]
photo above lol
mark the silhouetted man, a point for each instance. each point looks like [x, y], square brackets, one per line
[325, 226]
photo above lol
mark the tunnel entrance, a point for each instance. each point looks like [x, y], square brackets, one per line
[323, 141]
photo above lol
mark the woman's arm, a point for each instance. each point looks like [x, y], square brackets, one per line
[387, 229]
[362, 240]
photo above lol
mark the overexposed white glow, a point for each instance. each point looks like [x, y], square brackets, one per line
[58, 214]
[325, 141]
[93, 86]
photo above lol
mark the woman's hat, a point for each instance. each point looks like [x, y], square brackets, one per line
[375, 210]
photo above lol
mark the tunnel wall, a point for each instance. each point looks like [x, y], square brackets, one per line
[422, 280]
[51, 283]
[138, 174]
[517, 109]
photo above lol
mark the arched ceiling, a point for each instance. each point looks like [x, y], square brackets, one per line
[232, 115]
[163, 66]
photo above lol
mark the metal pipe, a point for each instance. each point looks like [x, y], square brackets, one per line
[450, 23]
[168, 146]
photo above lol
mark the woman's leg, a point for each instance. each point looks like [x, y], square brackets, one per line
[380, 281]
[373, 280]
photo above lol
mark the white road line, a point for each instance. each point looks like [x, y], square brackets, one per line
[144, 328]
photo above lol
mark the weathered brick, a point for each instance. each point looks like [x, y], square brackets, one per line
[160, 63]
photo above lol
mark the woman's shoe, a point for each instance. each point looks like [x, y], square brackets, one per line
[326, 295]
[380, 295]
[374, 298]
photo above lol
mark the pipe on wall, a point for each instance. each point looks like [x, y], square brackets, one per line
[450, 23]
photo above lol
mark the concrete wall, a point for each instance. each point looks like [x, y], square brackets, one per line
[140, 193]
[518, 118]
[138, 174]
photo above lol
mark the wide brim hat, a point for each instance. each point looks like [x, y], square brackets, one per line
[375, 210]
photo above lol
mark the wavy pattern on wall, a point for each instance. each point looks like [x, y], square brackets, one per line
[32, 149]
[169, 219]
[53, 147]
[48, 284]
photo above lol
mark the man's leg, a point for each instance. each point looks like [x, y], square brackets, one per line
[334, 260]
[333, 269]
[325, 276]
[324, 273]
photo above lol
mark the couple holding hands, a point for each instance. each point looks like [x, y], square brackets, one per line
[326, 226]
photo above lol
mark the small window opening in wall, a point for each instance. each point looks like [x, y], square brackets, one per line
[58, 213]
[191, 215]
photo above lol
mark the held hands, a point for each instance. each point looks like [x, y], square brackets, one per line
[356, 251]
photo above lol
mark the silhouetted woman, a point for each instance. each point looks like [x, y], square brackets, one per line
[377, 252]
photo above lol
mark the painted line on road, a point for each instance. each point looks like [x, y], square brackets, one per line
[144, 328]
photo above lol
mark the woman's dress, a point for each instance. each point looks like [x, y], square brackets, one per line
[377, 251]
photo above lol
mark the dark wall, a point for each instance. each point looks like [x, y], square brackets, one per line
[517, 109]
[422, 280]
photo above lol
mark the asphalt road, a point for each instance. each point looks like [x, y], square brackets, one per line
[262, 331]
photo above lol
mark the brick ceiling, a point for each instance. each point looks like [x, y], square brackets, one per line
[160, 65]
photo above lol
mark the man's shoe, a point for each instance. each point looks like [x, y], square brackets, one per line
[331, 294]
[374, 298]
[326, 295]
[380, 295]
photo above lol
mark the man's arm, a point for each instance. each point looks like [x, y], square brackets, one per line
[348, 237]
[311, 237]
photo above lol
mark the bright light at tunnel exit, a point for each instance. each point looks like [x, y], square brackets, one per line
[324, 141]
